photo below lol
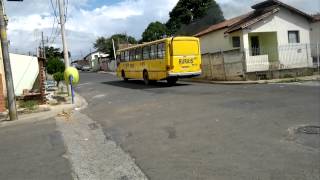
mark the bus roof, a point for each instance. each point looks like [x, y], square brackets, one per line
[179, 38]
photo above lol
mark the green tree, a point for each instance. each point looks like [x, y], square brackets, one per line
[58, 76]
[190, 11]
[55, 65]
[52, 52]
[155, 30]
[105, 44]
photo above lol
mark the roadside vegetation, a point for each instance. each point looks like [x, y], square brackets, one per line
[30, 105]
[55, 66]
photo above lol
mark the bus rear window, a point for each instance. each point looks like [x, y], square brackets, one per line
[185, 48]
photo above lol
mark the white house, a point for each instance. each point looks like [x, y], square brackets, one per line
[273, 36]
[93, 58]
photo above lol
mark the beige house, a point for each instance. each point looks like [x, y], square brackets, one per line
[272, 36]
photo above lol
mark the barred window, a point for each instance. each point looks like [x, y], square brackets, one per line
[146, 52]
[293, 37]
[236, 41]
[161, 50]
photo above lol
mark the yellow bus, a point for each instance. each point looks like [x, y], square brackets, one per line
[166, 59]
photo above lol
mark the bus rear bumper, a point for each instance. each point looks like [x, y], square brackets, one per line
[185, 74]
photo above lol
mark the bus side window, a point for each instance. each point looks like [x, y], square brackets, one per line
[146, 53]
[122, 56]
[153, 53]
[138, 54]
[132, 55]
[161, 50]
[127, 58]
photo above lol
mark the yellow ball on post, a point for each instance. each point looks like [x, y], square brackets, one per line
[71, 71]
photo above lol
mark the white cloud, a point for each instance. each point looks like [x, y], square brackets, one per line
[84, 25]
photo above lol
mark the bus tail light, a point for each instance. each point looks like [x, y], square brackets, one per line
[169, 67]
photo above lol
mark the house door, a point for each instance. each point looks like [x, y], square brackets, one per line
[255, 46]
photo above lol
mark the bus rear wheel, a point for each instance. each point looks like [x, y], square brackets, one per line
[172, 80]
[123, 75]
[146, 78]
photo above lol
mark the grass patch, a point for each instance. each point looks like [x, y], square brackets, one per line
[30, 105]
[62, 93]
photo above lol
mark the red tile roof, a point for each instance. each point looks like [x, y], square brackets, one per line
[222, 25]
[261, 11]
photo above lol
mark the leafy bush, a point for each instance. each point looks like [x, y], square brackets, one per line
[54, 65]
[58, 76]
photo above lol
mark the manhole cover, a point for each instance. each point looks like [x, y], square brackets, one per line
[309, 130]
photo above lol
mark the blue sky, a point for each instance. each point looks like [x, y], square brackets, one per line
[89, 19]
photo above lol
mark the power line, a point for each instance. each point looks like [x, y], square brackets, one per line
[55, 26]
[66, 11]
[54, 8]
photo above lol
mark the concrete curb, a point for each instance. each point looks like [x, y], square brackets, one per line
[221, 82]
[273, 81]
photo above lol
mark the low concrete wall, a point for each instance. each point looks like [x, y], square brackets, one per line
[25, 70]
[227, 65]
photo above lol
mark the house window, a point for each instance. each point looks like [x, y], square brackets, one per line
[293, 37]
[236, 41]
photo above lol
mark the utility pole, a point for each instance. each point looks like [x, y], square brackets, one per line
[114, 53]
[64, 41]
[43, 48]
[7, 66]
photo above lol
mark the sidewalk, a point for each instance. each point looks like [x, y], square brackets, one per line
[62, 144]
[33, 148]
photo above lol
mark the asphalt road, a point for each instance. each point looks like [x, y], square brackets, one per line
[202, 131]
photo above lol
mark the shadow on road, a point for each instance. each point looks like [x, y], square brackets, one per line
[138, 84]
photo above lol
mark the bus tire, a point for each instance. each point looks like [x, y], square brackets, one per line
[172, 80]
[146, 77]
[123, 75]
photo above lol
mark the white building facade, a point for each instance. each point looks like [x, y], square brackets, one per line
[273, 36]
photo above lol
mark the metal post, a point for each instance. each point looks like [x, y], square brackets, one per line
[64, 41]
[318, 58]
[7, 66]
[72, 90]
[114, 53]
